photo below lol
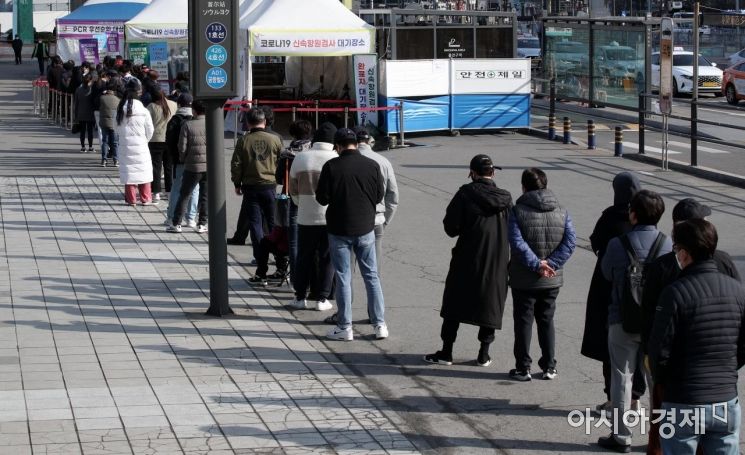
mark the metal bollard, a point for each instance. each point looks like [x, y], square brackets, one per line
[401, 123]
[551, 127]
[316, 103]
[567, 130]
[619, 141]
[590, 135]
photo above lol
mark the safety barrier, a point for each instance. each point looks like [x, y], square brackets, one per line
[51, 104]
[298, 106]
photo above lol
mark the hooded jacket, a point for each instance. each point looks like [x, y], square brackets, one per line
[539, 229]
[476, 284]
[614, 221]
[304, 174]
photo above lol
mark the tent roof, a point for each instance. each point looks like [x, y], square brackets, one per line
[163, 12]
[293, 15]
[106, 10]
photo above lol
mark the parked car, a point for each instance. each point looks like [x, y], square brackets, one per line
[528, 46]
[618, 62]
[737, 57]
[733, 83]
[569, 56]
[709, 76]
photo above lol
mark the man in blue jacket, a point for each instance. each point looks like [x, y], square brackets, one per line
[645, 210]
[542, 239]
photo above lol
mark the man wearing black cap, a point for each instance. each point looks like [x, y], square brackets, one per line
[658, 275]
[476, 285]
[542, 239]
[352, 185]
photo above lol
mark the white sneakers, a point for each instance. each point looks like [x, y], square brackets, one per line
[156, 196]
[340, 334]
[190, 223]
[381, 331]
[324, 305]
[174, 228]
[321, 305]
[201, 229]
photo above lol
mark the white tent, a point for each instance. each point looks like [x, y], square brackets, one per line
[303, 28]
[159, 36]
[100, 20]
[162, 20]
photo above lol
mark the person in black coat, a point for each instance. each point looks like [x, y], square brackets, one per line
[613, 222]
[476, 285]
[17, 45]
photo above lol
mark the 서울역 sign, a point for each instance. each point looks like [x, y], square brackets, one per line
[213, 36]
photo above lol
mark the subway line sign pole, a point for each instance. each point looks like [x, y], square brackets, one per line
[213, 32]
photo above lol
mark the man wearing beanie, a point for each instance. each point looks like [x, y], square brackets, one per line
[312, 236]
[252, 171]
[352, 186]
[658, 275]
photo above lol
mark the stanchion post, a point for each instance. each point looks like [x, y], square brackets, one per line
[294, 114]
[567, 130]
[619, 142]
[316, 103]
[401, 123]
[69, 122]
[642, 121]
[551, 127]
[694, 132]
[590, 135]
[552, 97]
[346, 117]
[237, 109]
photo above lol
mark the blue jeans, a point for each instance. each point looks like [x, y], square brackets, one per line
[175, 190]
[720, 433]
[363, 246]
[109, 144]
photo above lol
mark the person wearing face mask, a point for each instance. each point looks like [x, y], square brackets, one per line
[644, 242]
[660, 274]
[696, 346]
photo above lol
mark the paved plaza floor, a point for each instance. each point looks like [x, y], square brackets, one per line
[104, 347]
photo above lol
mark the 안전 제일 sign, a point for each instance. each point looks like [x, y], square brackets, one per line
[213, 34]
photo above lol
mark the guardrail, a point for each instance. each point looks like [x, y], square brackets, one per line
[51, 104]
[298, 106]
[547, 88]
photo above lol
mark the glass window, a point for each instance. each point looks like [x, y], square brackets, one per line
[656, 59]
[618, 65]
[494, 43]
[414, 44]
[528, 43]
[454, 42]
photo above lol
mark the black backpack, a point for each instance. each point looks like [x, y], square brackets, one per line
[633, 286]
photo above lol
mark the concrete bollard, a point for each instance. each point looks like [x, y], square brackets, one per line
[619, 142]
[590, 135]
[551, 127]
[567, 130]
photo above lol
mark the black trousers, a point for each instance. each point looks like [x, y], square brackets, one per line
[189, 181]
[86, 128]
[449, 332]
[539, 304]
[313, 256]
[267, 247]
[41, 65]
[18, 57]
[157, 149]
[168, 166]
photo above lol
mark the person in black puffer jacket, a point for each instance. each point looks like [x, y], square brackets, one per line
[697, 344]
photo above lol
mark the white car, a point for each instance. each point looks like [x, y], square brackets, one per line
[709, 76]
[737, 57]
[528, 46]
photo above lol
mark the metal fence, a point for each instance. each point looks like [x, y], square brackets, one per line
[52, 104]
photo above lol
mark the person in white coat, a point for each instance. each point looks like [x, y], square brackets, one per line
[134, 128]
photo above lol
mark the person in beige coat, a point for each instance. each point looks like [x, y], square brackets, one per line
[161, 110]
